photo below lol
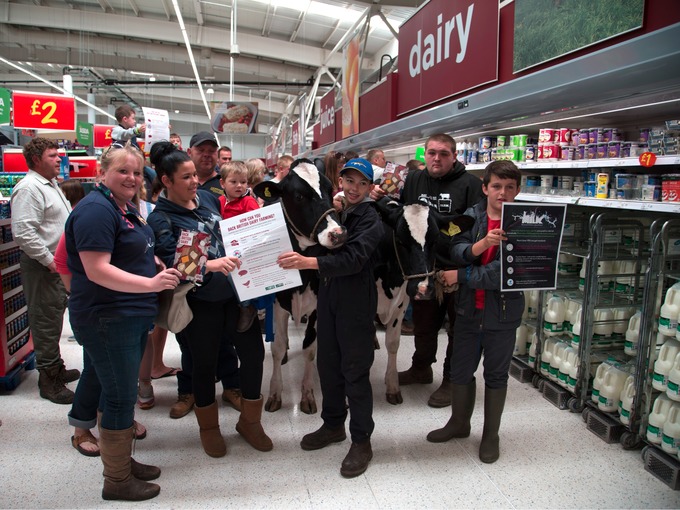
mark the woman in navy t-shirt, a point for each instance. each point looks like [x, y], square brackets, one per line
[112, 305]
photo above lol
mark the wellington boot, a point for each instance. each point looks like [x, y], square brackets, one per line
[119, 483]
[494, 402]
[250, 427]
[462, 405]
[209, 424]
[442, 395]
[52, 387]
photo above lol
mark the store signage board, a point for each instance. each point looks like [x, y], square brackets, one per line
[102, 135]
[5, 102]
[647, 159]
[295, 137]
[350, 88]
[448, 47]
[13, 161]
[534, 236]
[84, 133]
[324, 130]
[43, 111]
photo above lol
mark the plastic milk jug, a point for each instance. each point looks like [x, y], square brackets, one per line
[597, 382]
[576, 329]
[626, 399]
[624, 283]
[673, 386]
[546, 355]
[531, 333]
[532, 298]
[553, 318]
[610, 390]
[573, 374]
[657, 418]
[668, 314]
[556, 361]
[582, 276]
[572, 308]
[532, 350]
[520, 341]
[630, 346]
[621, 318]
[603, 327]
[670, 433]
[605, 267]
[568, 359]
[664, 363]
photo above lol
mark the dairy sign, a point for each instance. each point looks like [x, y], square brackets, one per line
[447, 47]
[327, 119]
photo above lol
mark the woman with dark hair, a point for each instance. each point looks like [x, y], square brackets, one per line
[183, 207]
[333, 163]
[112, 305]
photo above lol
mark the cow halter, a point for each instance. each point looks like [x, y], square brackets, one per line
[297, 231]
[405, 276]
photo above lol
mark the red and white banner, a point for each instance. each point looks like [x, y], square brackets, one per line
[324, 131]
[447, 47]
[102, 135]
[43, 111]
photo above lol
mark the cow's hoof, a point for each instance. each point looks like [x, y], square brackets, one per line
[272, 405]
[308, 407]
[285, 358]
[394, 398]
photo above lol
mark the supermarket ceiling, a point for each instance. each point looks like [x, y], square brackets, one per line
[133, 50]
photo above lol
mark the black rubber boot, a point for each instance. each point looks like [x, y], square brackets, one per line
[462, 405]
[494, 402]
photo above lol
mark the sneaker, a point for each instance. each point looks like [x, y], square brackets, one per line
[232, 396]
[183, 406]
[145, 396]
[323, 437]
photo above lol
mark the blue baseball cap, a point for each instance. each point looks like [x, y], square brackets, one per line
[360, 165]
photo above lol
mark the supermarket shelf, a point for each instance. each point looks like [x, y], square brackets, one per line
[7, 246]
[606, 203]
[585, 163]
[5, 221]
[16, 314]
[13, 292]
[9, 269]
[550, 199]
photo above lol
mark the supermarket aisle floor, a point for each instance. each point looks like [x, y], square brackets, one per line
[548, 458]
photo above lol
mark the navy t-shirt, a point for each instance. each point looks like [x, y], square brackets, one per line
[99, 225]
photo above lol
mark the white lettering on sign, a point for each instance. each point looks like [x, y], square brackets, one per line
[295, 137]
[327, 118]
[427, 53]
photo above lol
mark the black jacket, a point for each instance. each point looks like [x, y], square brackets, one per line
[502, 310]
[451, 194]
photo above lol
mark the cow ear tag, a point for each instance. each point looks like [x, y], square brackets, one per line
[452, 230]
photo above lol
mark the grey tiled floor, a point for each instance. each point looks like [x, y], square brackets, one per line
[548, 458]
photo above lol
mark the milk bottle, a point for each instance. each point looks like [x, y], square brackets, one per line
[626, 400]
[520, 341]
[605, 267]
[567, 264]
[673, 386]
[668, 314]
[610, 390]
[657, 418]
[603, 327]
[546, 355]
[624, 283]
[670, 433]
[531, 333]
[572, 307]
[582, 276]
[532, 297]
[630, 346]
[597, 382]
[553, 318]
[664, 363]
[556, 361]
[573, 374]
[576, 329]
[569, 357]
[621, 318]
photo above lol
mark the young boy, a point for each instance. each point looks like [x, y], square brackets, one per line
[127, 128]
[490, 316]
[235, 201]
[346, 308]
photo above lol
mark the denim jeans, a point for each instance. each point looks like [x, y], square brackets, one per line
[87, 395]
[115, 347]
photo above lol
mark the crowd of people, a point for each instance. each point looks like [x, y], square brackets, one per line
[108, 254]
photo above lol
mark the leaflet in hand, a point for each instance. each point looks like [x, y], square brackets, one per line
[191, 255]
[392, 181]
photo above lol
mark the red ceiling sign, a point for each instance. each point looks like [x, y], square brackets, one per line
[102, 135]
[447, 47]
[44, 111]
[326, 125]
[295, 135]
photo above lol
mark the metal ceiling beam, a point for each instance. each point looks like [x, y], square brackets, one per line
[199, 12]
[166, 8]
[134, 7]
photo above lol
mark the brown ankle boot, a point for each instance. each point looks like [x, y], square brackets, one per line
[52, 387]
[119, 483]
[68, 375]
[209, 425]
[415, 375]
[250, 427]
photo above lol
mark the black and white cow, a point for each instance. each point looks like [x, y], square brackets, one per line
[306, 199]
[406, 270]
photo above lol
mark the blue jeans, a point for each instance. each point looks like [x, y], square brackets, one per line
[87, 395]
[115, 347]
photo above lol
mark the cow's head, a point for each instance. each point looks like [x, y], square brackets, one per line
[416, 229]
[306, 199]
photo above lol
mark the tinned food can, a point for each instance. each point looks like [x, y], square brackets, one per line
[530, 153]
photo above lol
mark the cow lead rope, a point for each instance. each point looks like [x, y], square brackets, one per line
[405, 276]
[296, 230]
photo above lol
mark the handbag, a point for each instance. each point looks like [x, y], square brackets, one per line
[174, 313]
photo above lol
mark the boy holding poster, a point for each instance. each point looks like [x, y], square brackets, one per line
[490, 316]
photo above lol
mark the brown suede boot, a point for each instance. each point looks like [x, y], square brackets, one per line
[462, 405]
[68, 375]
[52, 387]
[119, 483]
[250, 427]
[209, 424]
[494, 403]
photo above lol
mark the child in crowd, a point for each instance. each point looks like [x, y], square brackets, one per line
[235, 201]
[490, 317]
[346, 308]
[127, 128]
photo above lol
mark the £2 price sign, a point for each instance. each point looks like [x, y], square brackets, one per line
[44, 111]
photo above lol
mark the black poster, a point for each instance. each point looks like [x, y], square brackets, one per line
[529, 256]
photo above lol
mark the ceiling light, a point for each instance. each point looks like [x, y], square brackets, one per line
[152, 78]
[210, 91]
[139, 73]
[176, 111]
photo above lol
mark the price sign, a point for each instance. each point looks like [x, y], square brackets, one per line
[647, 159]
[44, 111]
[102, 135]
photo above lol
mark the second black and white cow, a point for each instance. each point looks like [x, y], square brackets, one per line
[306, 199]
